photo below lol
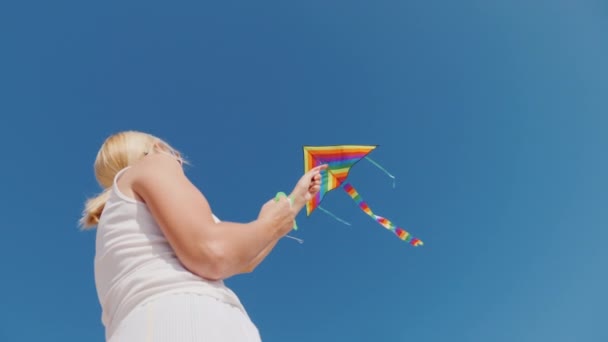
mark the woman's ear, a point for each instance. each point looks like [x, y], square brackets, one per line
[164, 148]
[157, 146]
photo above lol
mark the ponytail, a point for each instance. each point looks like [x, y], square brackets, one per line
[93, 209]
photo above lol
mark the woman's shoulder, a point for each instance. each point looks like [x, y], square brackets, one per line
[149, 172]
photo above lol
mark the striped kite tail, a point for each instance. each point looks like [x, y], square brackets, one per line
[400, 232]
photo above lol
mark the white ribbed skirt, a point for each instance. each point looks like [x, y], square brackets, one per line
[186, 317]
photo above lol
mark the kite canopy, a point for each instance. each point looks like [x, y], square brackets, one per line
[339, 160]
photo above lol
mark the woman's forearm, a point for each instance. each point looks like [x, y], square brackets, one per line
[240, 247]
[235, 247]
[297, 205]
[260, 257]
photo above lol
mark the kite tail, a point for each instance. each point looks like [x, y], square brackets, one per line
[400, 232]
[381, 168]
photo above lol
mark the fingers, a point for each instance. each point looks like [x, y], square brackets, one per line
[317, 169]
[314, 175]
[316, 180]
[283, 201]
[286, 212]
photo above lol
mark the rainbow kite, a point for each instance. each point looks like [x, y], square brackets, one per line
[339, 160]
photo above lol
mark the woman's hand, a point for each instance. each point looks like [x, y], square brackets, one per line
[278, 214]
[307, 187]
[281, 214]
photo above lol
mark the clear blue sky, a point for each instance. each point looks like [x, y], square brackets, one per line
[492, 115]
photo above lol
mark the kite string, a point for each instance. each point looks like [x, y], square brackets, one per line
[332, 215]
[295, 238]
[381, 168]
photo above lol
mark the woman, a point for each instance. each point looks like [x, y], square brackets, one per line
[161, 255]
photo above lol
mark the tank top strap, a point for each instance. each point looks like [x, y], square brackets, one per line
[118, 174]
[119, 193]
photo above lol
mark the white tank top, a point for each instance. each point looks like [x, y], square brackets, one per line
[134, 263]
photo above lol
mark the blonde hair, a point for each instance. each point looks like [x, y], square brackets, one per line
[117, 152]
